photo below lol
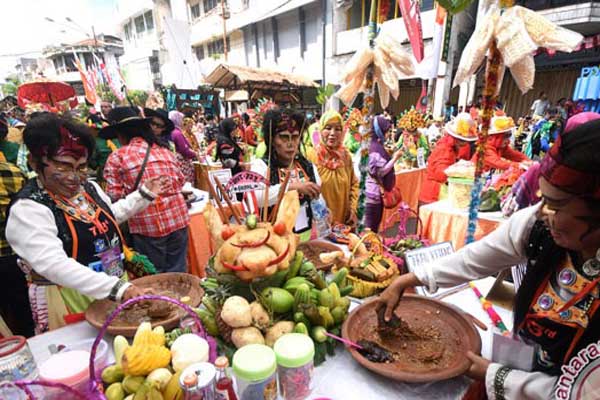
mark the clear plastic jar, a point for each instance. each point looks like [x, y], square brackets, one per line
[255, 370]
[295, 353]
[16, 360]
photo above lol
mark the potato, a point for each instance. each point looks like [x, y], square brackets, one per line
[260, 318]
[236, 312]
[277, 331]
[243, 336]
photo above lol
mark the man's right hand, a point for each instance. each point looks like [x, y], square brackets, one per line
[392, 295]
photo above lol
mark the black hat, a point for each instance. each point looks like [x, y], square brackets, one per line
[163, 115]
[121, 117]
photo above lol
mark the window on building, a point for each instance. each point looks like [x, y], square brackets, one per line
[356, 18]
[199, 50]
[59, 64]
[88, 59]
[127, 29]
[140, 27]
[215, 47]
[209, 5]
[70, 63]
[149, 21]
[195, 11]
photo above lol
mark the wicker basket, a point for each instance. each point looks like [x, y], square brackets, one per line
[95, 389]
[361, 287]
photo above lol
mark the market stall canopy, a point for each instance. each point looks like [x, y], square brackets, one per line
[226, 76]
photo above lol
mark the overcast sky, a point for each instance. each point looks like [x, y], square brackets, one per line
[24, 28]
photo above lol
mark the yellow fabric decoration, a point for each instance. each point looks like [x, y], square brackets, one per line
[518, 32]
[111, 145]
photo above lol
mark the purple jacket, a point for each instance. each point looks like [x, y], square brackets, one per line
[181, 144]
[378, 167]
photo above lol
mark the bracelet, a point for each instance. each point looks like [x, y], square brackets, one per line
[499, 379]
[115, 290]
[146, 194]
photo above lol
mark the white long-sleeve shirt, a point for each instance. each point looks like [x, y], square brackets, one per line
[497, 251]
[32, 233]
[261, 168]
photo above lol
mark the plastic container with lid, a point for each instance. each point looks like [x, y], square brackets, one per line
[71, 367]
[255, 370]
[295, 353]
[16, 360]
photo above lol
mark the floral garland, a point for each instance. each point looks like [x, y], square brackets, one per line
[369, 102]
[492, 73]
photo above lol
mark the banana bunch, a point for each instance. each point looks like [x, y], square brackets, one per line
[145, 336]
[141, 360]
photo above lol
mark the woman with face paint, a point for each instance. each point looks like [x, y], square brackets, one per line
[65, 228]
[283, 130]
[556, 306]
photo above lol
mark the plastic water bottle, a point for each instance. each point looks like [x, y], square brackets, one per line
[320, 217]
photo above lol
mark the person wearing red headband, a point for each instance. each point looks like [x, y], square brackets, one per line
[556, 308]
[65, 229]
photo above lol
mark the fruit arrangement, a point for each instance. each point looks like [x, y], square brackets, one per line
[400, 247]
[411, 120]
[369, 269]
[149, 367]
[296, 299]
[255, 249]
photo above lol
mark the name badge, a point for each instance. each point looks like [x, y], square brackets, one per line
[512, 351]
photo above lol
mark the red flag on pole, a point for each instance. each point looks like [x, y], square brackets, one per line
[411, 14]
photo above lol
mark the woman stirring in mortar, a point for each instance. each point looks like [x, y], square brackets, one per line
[65, 228]
[556, 306]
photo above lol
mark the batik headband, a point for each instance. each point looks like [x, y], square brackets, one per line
[69, 146]
[286, 124]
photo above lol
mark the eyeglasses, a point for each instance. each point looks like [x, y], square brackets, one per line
[67, 168]
[157, 125]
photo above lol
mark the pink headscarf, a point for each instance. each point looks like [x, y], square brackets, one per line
[176, 118]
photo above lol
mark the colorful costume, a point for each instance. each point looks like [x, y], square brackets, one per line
[498, 154]
[412, 138]
[556, 306]
[381, 175]
[339, 185]
[445, 153]
[184, 152]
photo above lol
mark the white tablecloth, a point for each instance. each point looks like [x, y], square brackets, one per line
[340, 377]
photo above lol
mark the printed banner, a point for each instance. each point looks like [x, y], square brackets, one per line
[411, 14]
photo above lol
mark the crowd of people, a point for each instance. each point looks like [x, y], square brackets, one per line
[93, 185]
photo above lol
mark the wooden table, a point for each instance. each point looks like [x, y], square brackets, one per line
[442, 223]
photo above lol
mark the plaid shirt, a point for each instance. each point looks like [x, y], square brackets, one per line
[11, 181]
[166, 214]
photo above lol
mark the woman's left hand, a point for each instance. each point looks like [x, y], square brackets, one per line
[158, 185]
[478, 368]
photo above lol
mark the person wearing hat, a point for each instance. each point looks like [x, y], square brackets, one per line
[65, 229]
[454, 146]
[160, 231]
[160, 125]
[498, 153]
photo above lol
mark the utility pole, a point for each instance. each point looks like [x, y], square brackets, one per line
[224, 29]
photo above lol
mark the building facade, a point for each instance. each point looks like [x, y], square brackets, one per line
[59, 61]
